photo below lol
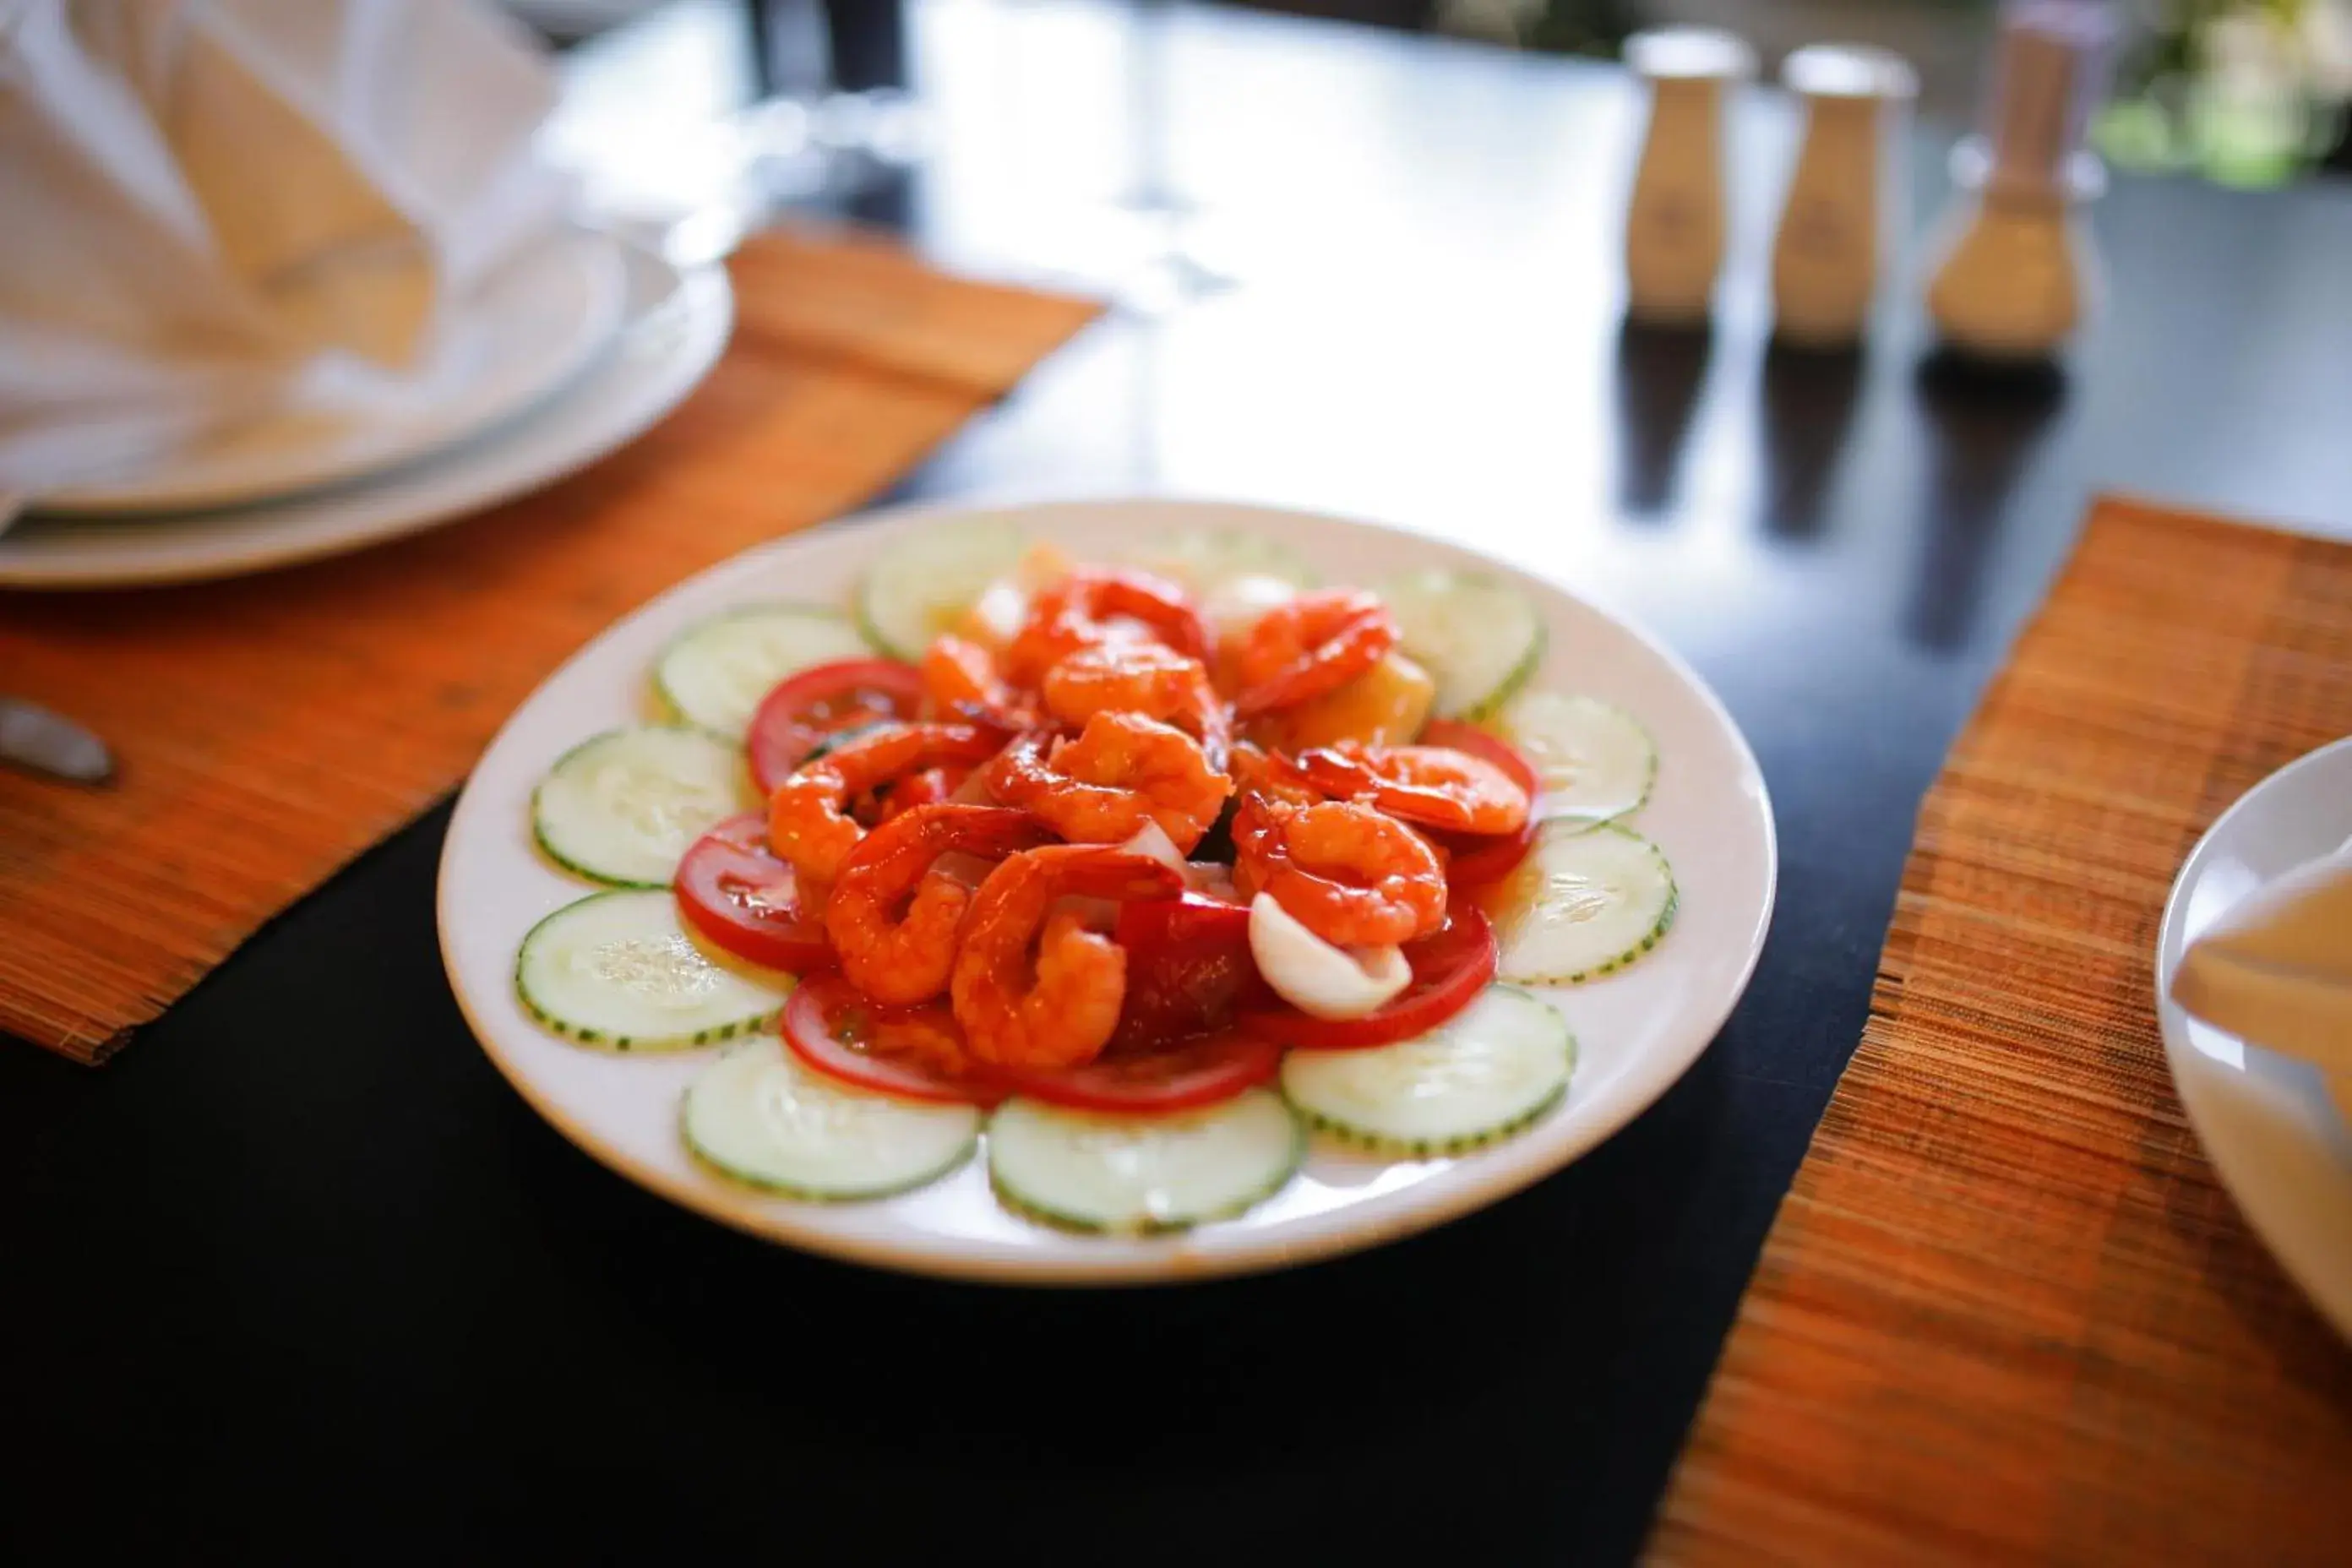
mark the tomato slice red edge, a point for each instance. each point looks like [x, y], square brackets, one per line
[738, 847]
[1450, 967]
[1188, 917]
[1180, 1077]
[1160, 1076]
[808, 1031]
[1183, 1075]
[781, 737]
[1475, 860]
[1189, 969]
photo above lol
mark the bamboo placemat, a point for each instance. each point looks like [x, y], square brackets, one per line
[2007, 1313]
[269, 729]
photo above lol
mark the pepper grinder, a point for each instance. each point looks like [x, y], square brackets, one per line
[1674, 224]
[1834, 219]
[2017, 271]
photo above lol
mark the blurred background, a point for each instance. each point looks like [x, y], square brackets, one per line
[1405, 217]
[2247, 93]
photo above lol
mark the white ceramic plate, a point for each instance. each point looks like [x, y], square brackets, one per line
[1638, 1030]
[532, 327]
[673, 326]
[2281, 1146]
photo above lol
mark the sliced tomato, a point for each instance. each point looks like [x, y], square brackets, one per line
[1450, 967]
[1475, 860]
[743, 898]
[1188, 968]
[915, 1053]
[803, 709]
[1181, 1077]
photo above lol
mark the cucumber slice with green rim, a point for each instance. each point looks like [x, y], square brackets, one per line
[1481, 637]
[1594, 763]
[623, 808]
[1587, 902]
[1204, 559]
[920, 585]
[713, 674]
[760, 1117]
[1485, 1073]
[616, 971]
[1136, 1175]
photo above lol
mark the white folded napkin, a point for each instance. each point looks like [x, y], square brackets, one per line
[201, 200]
[2277, 969]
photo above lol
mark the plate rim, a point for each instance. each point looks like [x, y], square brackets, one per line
[748, 1217]
[2193, 1086]
[703, 290]
[596, 259]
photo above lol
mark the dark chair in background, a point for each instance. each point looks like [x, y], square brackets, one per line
[865, 43]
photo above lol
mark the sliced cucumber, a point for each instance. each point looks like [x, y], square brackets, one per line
[1132, 1174]
[1492, 1069]
[714, 674]
[919, 587]
[1204, 560]
[1595, 763]
[759, 1116]
[1481, 637]
[623, 808]
[1588, 901]
[617, 971]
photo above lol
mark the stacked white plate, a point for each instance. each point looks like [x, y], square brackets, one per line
[2278, 1131]
[570, 351]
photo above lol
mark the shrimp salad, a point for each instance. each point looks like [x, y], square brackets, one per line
[1139, 875]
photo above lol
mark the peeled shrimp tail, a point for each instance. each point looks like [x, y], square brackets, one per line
[1086, 608]
[809, 824]
[1435, 785]
[1348, 873]
[1146, 680]
[1122, 772]
[961, 679]
[1311, 644]
[1034, 985]
[894, 919]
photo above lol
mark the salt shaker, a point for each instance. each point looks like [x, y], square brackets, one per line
[1825, 257]
[2016, 271]
[1674, 224]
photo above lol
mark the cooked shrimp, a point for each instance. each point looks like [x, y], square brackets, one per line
[1349, 874]
[961, 676]
[1315, 644]
[1122, 771]
[1436, 786]
[1154, 681]
[927, 1034]
[1257, 819]
[928, 787]
[1100, 606]
[1035, 987]
[809, 824]
[1269, 778]
[894, 914]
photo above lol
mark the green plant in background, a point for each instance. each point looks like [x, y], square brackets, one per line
[1595, 27]
[2246, 92]
[1600, 27]
[2249, 92]
[1580, 27]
